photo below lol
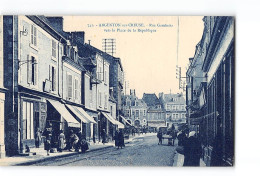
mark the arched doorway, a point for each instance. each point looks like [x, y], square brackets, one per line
[137, 123]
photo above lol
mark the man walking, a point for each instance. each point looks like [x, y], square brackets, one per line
[159, 135]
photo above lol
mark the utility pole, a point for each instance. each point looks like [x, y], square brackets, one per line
[109, 46]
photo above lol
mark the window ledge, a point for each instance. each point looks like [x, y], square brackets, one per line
[34, 47]
[53, 58]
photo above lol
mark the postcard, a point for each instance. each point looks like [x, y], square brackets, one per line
[117, 90]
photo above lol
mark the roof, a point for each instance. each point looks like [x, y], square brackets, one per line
[151, 99]
[172, 97]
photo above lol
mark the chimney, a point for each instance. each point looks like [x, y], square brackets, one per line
[78, 36]
[132, 92]
[56, 22]
[161, 95]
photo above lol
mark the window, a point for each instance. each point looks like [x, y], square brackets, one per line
[183, 116]
[54, 48]
[52, 77]
[32, 70]
[133, 112]
[128, 103]
[137, 113]
[144, 112]
[69, 85]
[173, 116]
[177, 116]
[27, 120]
[177, 107]
[76, 88]
[33, 35]
[99, 73]
[174, 107]
[168, 107]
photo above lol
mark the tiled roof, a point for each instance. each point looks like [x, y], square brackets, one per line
[151, 99]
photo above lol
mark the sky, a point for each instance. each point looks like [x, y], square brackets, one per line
[149, 59]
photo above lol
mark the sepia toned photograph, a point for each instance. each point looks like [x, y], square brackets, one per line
[142, 91]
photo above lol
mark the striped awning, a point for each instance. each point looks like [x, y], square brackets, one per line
[72, 122]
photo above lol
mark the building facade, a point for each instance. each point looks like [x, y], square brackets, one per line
[174, 106]
[135, 110]
[210, 91]
[155, 112]
[2, 92]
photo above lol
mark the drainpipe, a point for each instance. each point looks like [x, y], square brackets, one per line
[59, 67]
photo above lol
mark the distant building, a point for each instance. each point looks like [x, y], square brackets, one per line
[155, 113]
[174, 106]
[135, 110]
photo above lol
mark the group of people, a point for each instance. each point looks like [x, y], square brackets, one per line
[74, 142]
[189, 145]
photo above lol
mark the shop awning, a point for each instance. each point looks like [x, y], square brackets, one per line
[120, 125]
[72, 122]
[125, 120]
[77, 113]
[110, 118]
[86, 115]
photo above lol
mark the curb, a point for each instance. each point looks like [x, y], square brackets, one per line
[54, 157]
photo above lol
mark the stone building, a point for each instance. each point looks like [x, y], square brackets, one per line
[135, 110]
[174, 106]
[210, 91]
[155, 112]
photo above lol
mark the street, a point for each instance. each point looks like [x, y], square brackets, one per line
[142, 151]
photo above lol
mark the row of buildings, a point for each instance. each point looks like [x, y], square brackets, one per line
[154, 112]
[49, 77]
[210, 90]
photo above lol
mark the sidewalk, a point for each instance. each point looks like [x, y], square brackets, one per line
[41, 154]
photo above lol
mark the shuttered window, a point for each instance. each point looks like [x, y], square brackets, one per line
[69, 85]
[32, 70]
[54, 48]
[53, 77]
[33, 35]
[76, 88]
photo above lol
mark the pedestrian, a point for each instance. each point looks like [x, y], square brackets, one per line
[73, 140]
[103, 135]
[61, 141]
[120, 139]
[192, 150]
[38, 138]
[116, 138]
[159, 135]
[47, 143]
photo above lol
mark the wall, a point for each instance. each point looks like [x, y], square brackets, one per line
[42, 52]
[2, 94]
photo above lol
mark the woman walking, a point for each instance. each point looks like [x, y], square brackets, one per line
[61, 141]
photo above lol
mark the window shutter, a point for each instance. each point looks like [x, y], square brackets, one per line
[49, 73]
[54, 79]
[32, 34]
[29, 70]
[35, 36]
[35, 71]
[69, 85]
